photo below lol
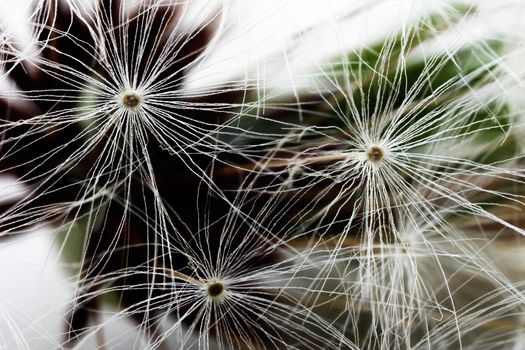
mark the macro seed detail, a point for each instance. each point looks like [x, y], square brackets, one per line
[131, 99]
[351, 203]
[215, 289]
[375, 153]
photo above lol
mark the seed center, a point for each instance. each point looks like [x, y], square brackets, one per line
[131, 99]
[215, 289]
[375, 153]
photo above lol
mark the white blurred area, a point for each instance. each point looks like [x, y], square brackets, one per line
[34, 293]
[35, 290]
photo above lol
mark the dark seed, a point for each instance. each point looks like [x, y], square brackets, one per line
[215, 289]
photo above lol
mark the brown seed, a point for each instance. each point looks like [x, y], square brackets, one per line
[131, 100]
[215, 289]
[375, 153]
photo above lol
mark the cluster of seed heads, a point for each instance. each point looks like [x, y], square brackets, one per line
[361, 211]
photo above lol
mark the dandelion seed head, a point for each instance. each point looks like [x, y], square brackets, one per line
[336, 217]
